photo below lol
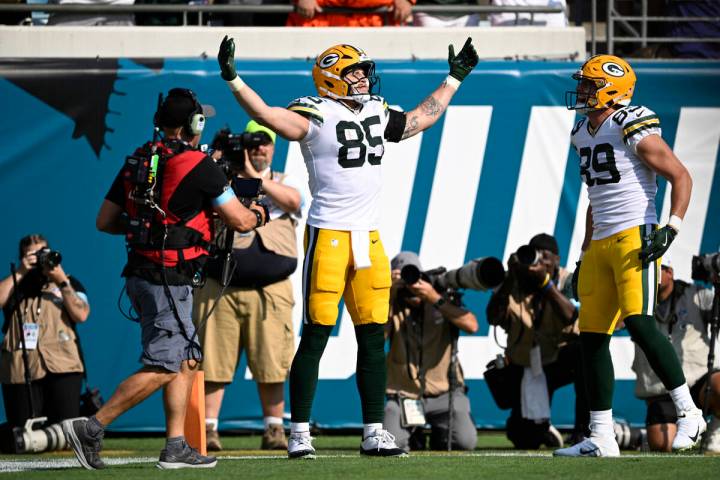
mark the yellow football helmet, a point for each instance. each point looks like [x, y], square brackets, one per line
[333, 64]
[603, 81]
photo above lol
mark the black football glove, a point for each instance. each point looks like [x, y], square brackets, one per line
[226, 59]
[462, 64]
[575, 280]
[657, 243]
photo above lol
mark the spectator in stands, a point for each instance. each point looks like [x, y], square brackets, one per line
[13, 18]
[695, 8]
[310, 13]
[682, 313]
[543, 352]
[540, 19]
[421, 19]
[91, 19]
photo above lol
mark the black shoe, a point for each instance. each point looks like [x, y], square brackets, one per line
[87, 449]
[188, 457]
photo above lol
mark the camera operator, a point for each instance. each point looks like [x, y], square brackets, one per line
[421, 329]
[50, 304]
[542, 350]
[254, 313]
[166, 252]
[682, 314]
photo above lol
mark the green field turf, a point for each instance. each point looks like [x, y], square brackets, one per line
[338, 459]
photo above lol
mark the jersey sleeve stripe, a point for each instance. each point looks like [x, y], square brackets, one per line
[635, 131]
[308, 112]
[639, 121]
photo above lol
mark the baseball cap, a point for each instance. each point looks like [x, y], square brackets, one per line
[405, 258]
[177, 107]
[543, 241]
[254, 127]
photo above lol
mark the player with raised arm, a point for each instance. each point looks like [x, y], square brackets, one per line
[342, 134]
[621, 153]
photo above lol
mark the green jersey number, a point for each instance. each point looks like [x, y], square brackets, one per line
[351, 135]
[602, 160]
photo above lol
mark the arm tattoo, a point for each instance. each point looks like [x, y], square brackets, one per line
[411, 127]
[431, 107]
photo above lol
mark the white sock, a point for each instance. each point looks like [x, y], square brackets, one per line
[369, 429]
[682, 399]
[272, 421]
[211, 424]
[601, 424]
[300, 428]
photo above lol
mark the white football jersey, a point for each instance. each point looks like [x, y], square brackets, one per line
[343, 150]
[621, 187]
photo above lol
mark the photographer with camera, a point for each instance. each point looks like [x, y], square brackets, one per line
[254, 312]
[422, 326]
[163, 200]
[683, 315]
[44, 310]
[542, 354]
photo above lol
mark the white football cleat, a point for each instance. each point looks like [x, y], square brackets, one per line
[300, 446]
[690, 427]
[591, 447]
[381, 443]
[712, 437]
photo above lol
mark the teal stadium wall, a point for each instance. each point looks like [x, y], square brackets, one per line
[496, 169]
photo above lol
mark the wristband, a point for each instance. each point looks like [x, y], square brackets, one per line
[545, 282]
[675, 222]
[63, 284]
[441, 301]
[452, 82]
[548, 286]
[259, 218]
[236, 84]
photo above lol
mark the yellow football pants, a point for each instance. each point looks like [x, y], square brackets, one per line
[614, 284]
[329, 275]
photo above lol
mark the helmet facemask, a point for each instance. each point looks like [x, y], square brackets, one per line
[584, 98]
[368, 68]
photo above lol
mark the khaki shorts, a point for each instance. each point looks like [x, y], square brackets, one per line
[258, 321]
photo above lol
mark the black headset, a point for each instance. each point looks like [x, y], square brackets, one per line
[195, 122]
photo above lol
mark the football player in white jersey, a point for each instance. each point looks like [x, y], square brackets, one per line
[342, 133]
[621, 152]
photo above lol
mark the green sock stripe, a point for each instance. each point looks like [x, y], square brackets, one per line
[313, 234]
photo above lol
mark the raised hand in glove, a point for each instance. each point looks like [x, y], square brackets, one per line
[226, 59]
[462, 64]
[657, 243]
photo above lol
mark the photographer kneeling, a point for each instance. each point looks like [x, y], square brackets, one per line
[683, 314]
[48, 303]
[422, 328]
[543, 352]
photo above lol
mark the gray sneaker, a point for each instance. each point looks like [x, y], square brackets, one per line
[87, 449]
[188, 457]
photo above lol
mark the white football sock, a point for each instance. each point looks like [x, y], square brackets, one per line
[601, 424]
[682, 399]
[370, 428]
[300, 428]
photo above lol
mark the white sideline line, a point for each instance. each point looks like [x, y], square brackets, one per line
[8, 466]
